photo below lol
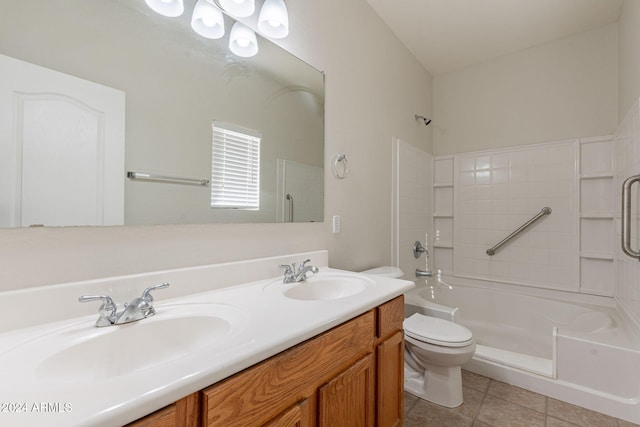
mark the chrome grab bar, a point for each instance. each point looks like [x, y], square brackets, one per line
[545, 211]
[626, 217]
[175, 179]
[289, 197]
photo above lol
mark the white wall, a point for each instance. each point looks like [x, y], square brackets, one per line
[561, 90]
[374, 86]
[629, 59]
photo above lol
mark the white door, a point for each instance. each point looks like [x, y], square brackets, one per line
[61, 148]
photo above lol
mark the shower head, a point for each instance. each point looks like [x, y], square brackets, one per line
[426, 120]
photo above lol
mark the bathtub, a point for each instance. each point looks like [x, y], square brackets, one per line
[580, 349]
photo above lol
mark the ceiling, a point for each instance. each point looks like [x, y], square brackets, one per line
[447, 35]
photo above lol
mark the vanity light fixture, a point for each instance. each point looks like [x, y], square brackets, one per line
[170, 8]
[274, 19]
[239, 8]
[242, 40]
[207, 20]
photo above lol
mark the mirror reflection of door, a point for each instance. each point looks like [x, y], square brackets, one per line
[300, 192]
[62, 142]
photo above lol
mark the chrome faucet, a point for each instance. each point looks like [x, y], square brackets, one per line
[291, 275]
[419, 249]
[107, 311]
[138, 308]
[423, 273]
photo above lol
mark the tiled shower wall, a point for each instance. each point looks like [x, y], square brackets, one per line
[481, 197]
[627, 142]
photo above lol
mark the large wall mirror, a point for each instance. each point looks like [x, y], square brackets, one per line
[96, 89]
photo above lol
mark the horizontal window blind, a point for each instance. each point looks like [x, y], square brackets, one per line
[235, 168]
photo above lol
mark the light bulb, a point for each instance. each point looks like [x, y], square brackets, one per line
[170, 8]
[242, 40]
[207, 20]
[239, 8]
[274, 19]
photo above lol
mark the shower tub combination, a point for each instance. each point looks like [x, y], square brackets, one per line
[584, 353]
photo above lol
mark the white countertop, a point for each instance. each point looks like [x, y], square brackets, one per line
[264, 324]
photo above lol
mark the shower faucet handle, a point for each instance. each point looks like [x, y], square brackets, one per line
[418, 249]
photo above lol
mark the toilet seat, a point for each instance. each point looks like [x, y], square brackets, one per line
[433, 330]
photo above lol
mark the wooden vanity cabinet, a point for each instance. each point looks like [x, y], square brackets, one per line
[390, 364]
[349, 376]
[183, 413]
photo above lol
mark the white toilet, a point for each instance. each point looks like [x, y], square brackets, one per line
[435, 349]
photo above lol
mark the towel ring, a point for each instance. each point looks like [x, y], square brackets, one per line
[340, 166]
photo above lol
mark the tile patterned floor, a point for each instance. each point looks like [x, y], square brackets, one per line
[491, 403]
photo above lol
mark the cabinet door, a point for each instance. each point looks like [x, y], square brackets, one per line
[390, 381]
[183, 413]
[390, 317]
[348, 400]
[295, 416]
[261, 392]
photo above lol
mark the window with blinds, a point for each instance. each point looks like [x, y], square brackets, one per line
[235, 168]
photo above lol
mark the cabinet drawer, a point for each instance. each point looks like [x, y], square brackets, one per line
[390, 317]
[260, 393]
[183, 413]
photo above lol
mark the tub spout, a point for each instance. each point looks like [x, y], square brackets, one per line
[423, 273]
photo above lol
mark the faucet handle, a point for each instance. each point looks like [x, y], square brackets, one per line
[106, 299]
[106, 312]
[146, 294]
[289, 272]
[419, 249]
[287, 268]
[302, 265]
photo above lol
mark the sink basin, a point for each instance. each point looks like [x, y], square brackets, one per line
[85, 353]
[328, 287]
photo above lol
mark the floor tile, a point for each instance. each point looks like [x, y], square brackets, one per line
[409, 401]
[518, 395]
[472, 399]
[475, 381]
[426, 414]
[577, 415]
[554, 422]
[491, 403]
[500, 413]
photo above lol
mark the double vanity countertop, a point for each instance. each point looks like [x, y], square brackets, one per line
[68, 372]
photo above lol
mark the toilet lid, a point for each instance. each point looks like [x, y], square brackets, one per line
[437, 331]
